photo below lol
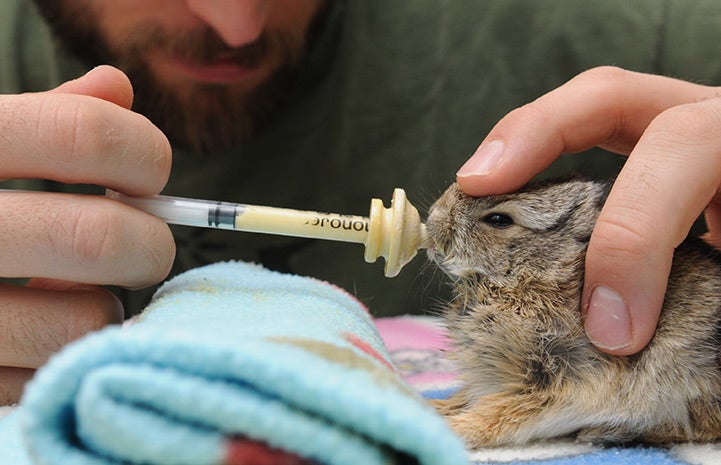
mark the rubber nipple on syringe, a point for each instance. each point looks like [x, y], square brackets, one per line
[395, 233]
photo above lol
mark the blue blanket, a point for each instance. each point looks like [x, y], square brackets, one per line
[228, 354]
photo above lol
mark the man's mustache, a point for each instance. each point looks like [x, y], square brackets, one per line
[201, 46]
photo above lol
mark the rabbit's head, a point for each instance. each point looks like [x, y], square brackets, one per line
[542, 229]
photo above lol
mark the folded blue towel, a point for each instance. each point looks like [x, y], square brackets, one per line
[228, 353]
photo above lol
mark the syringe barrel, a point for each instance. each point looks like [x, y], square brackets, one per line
[299, 223]
[250, 218]
[188, 212]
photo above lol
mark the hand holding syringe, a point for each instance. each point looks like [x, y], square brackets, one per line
[396, 233]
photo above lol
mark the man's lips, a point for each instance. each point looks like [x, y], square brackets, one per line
[220, 71]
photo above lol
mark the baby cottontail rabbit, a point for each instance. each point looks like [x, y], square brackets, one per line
[527, 368]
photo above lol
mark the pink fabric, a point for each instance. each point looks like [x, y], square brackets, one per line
[405, 332]
[417, 346]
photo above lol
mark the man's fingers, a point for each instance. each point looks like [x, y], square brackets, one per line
[81, 132]
[669, 179]
[81, 139]
[38, 322]
[84, 239]
[104, 82]
[605, 107]
[41, 318]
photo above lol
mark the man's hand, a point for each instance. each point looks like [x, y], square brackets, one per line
[80, 132]
[670, 130]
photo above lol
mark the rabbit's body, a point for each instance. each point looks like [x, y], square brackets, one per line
[527, 367]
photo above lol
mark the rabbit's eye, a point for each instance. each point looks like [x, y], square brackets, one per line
[498, 220]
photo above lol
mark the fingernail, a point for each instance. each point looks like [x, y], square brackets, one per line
[92, 70]
[608, 323]
[484, 160]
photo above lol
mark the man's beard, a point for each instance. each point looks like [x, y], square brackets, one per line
[206, 117]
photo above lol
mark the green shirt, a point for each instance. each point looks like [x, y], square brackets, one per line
[407, 91]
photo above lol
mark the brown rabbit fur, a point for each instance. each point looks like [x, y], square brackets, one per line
[527, 367]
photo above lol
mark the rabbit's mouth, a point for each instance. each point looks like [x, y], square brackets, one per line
[434, 253]
[437, 255]
[447, 262]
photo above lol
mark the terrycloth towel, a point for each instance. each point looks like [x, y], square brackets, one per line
[227, 356]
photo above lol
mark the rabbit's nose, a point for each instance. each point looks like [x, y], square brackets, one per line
[436, 215]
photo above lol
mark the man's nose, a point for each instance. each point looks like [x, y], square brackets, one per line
[238, 22]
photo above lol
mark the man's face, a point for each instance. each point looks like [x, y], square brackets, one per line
[207, 72]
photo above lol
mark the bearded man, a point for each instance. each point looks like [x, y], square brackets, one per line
[322, 105]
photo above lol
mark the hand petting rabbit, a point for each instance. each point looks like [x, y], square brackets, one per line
[527, 367]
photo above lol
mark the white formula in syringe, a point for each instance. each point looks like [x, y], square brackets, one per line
[395, 233]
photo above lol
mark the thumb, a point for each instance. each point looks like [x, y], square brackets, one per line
[104, 82]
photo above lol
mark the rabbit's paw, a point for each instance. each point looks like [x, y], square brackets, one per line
[475, 430]
[606, 434]
[454, 404]
[503, 419]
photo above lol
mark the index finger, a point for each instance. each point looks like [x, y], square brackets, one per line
[80, 139]
[606, 107]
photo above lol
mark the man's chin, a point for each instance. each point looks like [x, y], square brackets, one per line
[205, 120]
[207, 117]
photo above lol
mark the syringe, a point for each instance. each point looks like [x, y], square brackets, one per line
[396, 233]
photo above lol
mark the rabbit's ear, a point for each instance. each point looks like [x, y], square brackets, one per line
[584, 216]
